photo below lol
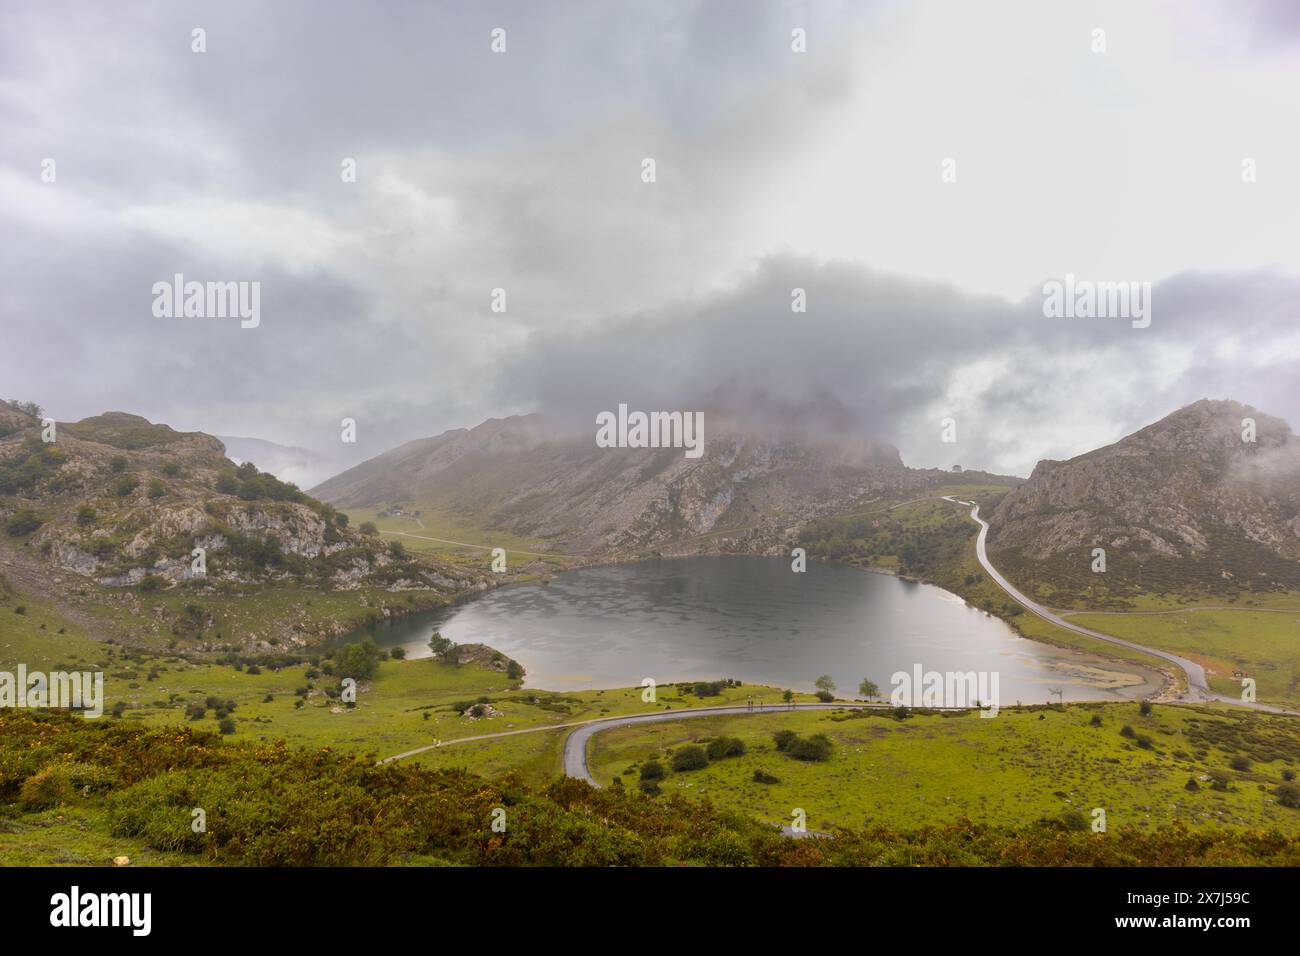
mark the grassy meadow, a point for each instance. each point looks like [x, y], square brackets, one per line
[1021, 766]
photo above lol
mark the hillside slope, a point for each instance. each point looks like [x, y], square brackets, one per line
[116, 506]
[527, 476]
[1184, 504]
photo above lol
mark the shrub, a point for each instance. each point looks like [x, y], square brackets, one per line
[1288, 774]
[1127, 731]
[1145, 742]
[721, 747]
[156, 488]
[86, 516]
[47, 788]
[1096, 720]
[1239, 763]
[1288, 794]
[818, 747]
[227, 725]
[397, 653]
[652, 770]
[1074, 820]
[23, 522]
[784, 739]
[825, 696]
[761, 776]
[1144, 708]
[1192, 785]
[690, 757]
[1219, 780]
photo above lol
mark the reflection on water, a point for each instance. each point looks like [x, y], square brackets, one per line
[750, 618]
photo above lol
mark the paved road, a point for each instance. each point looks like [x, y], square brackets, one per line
[575, 748]
[1198, 688]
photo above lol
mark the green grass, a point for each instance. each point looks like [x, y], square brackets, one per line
[76, 835]
[389, 716]
[435, 523]
[1005, 771]
[77, 792]
[235, 615]
[1262, 644]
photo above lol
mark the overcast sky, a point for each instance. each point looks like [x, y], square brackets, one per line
[523, 170]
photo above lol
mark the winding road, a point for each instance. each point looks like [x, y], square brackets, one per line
[575, 747]
[1198, 688]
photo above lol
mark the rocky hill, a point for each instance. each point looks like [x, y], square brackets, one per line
[756, 481]
[1184, 504]
[122, 502]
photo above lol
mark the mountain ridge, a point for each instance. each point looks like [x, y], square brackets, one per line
[1186, 491]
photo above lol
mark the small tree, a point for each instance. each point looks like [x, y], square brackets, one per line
[825, 684]
[443, 647]
[787, 696]
[868, 689]
[358, 661]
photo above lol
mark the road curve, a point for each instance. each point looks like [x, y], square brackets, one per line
[1198, 688]
[575, 747]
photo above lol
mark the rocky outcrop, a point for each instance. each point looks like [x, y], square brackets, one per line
[1190, 488]
[527, 476]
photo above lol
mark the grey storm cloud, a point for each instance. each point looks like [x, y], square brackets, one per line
[904, 354]
[521, 171]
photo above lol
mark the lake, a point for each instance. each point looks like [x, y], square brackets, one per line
[753, 619]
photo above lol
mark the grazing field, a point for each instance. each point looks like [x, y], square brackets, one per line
[450, 538]
[1023, 765]
[1263, 644]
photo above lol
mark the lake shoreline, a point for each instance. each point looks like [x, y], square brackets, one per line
[747, 629]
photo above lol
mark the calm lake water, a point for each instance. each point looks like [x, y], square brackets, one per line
[753, 619]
